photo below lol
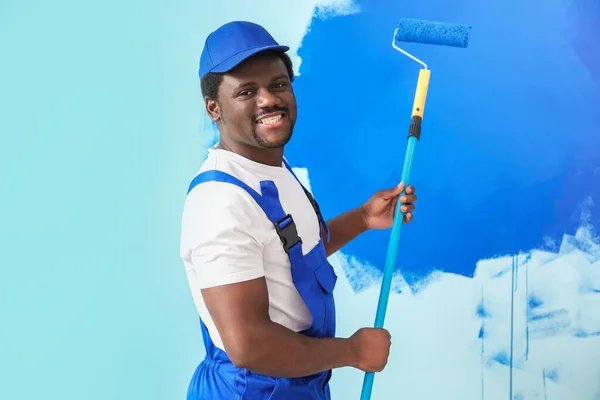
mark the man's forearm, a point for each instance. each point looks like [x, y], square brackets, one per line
[344, 228]
[274, 350]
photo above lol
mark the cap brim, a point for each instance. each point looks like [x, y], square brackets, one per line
[236, 59]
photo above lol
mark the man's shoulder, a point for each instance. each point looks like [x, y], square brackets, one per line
[220, 195]
[215, 197]
[246, 175]
[218, 209]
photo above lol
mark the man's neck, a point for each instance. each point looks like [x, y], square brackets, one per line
[272, 157]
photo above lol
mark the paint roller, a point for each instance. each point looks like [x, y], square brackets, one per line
[425, 32]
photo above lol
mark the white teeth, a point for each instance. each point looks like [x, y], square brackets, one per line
[270, 120]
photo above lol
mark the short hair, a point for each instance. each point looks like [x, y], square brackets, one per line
[210, 82]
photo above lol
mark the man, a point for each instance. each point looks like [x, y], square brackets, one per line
[254, 242]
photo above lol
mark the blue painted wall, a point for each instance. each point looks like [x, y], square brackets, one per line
[511, 140]
[497, 289]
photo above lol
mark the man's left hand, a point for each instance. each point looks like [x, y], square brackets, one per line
[378, 211]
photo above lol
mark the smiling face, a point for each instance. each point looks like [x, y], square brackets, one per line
[256, 107]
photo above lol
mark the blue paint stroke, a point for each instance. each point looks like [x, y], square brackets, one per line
[516, 273]
[550, 315]
[527, 308]
[583, 334]
[544, 380]
[482, 314]
[482, 371]
[549, 323]
[512, 329]
[500, 274]
[552, 375]
[481, 311]
[533, 302]
[502, 358]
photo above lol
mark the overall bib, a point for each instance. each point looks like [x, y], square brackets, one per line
[216, 378]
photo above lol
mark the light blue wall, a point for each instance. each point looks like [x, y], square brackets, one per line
[498, 285]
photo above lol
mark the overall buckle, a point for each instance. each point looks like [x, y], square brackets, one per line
[315, 206]
[286, 229]
[317, 209]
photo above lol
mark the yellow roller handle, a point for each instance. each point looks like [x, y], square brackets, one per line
[421, 93]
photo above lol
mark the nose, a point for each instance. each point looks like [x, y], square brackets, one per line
[267, 98]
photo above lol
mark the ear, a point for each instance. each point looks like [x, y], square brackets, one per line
[213, 109]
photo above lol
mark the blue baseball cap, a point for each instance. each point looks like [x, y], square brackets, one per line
[233, 43]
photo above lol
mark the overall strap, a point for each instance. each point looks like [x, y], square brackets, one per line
[270, 204]
[312, 200]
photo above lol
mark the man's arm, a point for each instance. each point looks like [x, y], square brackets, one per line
[240, 312]
[344, 228]
[222, 243]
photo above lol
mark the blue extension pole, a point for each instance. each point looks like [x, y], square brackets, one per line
[390, 261]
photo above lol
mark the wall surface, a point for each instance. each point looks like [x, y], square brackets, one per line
[497, 289]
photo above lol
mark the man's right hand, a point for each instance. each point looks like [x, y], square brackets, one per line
[371, 347]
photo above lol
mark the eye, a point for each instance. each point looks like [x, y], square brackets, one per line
[245, 93]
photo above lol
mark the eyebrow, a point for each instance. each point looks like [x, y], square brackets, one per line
[243, 85]
[249, 84]
[282, 76]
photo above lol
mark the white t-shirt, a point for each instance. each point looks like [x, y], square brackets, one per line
[227, 238]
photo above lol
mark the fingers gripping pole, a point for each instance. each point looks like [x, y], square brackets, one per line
[414, 134]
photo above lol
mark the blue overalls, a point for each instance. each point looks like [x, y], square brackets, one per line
[216, 378]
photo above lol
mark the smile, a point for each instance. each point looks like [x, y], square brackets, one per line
[269, 120]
